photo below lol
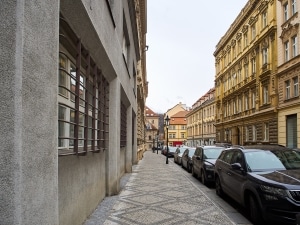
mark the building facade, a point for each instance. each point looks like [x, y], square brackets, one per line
[201, 121]
[288, 73]
[246, 77]
[69, 109]
[177, 129]
[152, 129]
[178, 108]
[142, 83]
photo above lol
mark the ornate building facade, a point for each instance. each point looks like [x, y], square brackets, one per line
[288, 73]
[201, 120]
[152, 128]
[246, 77]
[142, 83]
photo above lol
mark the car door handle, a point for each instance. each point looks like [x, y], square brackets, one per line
[228, 173]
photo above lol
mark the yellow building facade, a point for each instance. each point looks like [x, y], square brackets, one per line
[178, 126]
[177, 131]
[201, 120]
[288, 73]
[246, 77]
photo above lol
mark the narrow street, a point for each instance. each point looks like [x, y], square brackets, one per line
[158, 193]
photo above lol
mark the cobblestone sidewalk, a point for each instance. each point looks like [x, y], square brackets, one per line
[157, 193]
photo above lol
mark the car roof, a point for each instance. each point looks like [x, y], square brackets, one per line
[213, 146]
[261, 147]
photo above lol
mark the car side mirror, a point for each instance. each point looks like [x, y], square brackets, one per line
[236, 166]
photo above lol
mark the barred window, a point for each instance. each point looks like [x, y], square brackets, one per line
[123, 133]
[82, 99]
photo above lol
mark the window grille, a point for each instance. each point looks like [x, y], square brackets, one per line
[123, 133]
[83, 98]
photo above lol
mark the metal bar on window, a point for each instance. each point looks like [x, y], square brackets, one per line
[77, 94]
[86, 111]
[94, 108]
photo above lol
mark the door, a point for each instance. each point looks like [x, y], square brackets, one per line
[236, 177]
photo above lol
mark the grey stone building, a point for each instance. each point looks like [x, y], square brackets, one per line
[68, 111]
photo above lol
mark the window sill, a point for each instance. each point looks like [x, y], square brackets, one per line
[291, 99]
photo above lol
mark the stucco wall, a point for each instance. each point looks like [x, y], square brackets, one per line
[28, 112]
[81, 186]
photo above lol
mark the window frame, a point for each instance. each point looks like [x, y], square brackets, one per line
[265, 56]
[294, 46]
[285, 11]
[86, 115]
[265, 94]
[296, 86]
[264, 19]
[286, 51]
[287, 89]
[293, 7]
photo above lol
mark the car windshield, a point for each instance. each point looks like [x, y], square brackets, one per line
[212, 153]
[172, 149]
[289, 158]
[182, 149]
[263, 161]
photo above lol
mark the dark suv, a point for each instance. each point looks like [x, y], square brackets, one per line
[264, 179]
[203, 162]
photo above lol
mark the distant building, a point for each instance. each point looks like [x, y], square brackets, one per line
[201, 120]
[175, 109]
[152, 128]
[177, 129]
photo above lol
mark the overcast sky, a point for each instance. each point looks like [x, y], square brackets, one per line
[182, 36]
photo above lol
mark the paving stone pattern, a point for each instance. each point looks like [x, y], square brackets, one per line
[157, 193]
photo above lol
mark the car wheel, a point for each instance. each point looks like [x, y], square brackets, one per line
[203, 179]
[219, 190]
[254, 211]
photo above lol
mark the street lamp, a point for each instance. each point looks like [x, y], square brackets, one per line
[167, 122]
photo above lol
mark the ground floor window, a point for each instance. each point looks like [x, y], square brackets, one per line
[83, 99]
[291, 131]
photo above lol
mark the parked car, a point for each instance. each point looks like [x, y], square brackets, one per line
[171, 151]
[264, 179]
[186, 160]
[179, 158]
[179, 151]
[203, 162]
